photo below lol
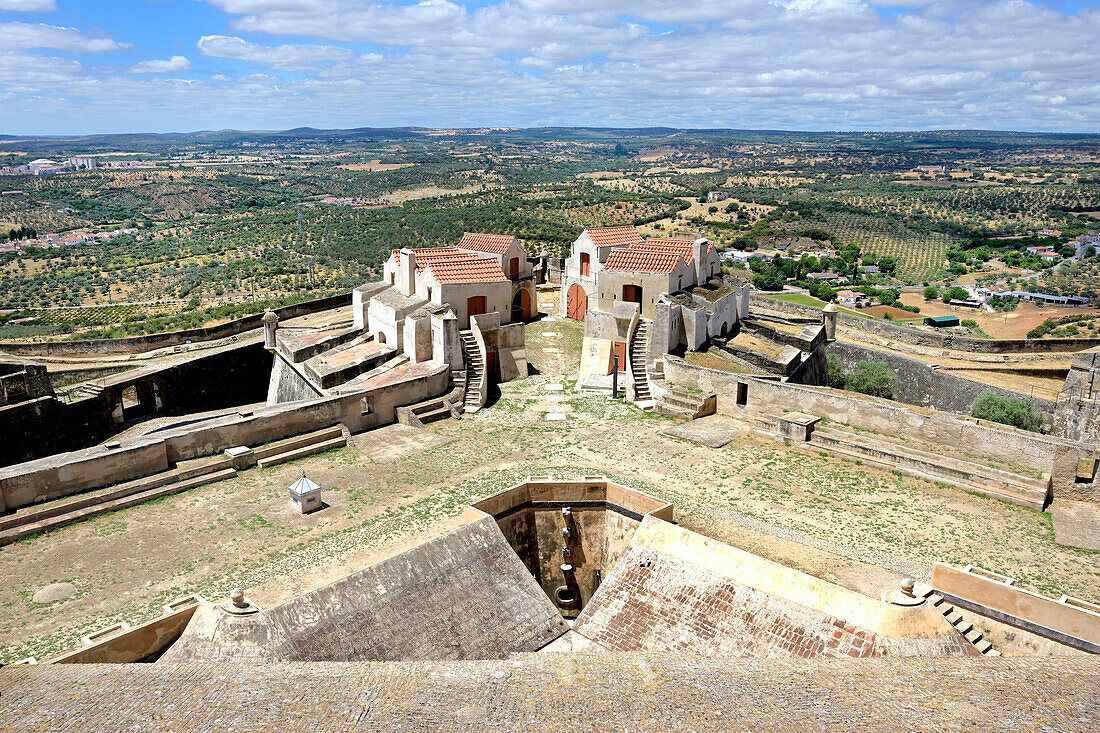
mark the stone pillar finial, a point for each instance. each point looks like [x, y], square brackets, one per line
[907, 586]
[236, 596]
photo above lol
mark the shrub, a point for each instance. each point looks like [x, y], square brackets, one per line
[1007, 410]
[931, 292]
[872, 378]
[835, 371]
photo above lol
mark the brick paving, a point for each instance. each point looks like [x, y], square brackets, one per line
[650, 602]
[560, 693]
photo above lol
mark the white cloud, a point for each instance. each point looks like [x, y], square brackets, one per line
[30, 5]
[810, 64]
[161, 66]
[41, 35]
[289, 57]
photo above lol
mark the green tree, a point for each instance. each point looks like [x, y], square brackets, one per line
[954, 293]
[835, 370]
[1007, 410]
[872, 378]
[931, 292]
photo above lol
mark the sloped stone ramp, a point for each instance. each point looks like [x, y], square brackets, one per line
[465, 595]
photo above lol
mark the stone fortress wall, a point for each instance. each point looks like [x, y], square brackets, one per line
[918, 337]
[142, 344]
[750, 398]
[46, 425]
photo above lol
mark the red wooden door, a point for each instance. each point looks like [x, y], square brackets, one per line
[632, 294]
[513, 268]
[475, 306]
[521, 306]
[576, 302]
[620, 354]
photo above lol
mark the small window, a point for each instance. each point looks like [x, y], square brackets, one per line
[429, 292]
[381, 337]
[586, 264]
[742, 393]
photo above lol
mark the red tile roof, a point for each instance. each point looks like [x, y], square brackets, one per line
[684, 247]
[452, 265]
[613, 236]
[640, 259]
[496, 244]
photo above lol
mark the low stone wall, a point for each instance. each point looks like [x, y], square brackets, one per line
[919, 337]
[141, 344]
[743, 395]
[70, 473]
[216, 381]
[1069, 621]
[918, 384]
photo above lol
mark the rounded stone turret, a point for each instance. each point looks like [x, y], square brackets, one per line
[829, 313]
[271, 323]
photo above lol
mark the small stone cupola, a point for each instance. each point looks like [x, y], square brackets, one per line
[271, 323]
[828, 315]
[305, 495]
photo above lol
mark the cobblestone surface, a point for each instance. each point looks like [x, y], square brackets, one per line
[560, 693]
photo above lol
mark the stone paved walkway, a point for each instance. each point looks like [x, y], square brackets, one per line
[559, 692]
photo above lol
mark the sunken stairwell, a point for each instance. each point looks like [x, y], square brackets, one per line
[678, 402]
[639, 347]
[956, 620]
[475, 373]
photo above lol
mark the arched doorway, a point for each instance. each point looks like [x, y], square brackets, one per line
[576, 302]
[521, 305]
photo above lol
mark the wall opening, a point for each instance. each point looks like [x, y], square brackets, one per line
[632, 294]
[513, 268]
[742, 393]
[381, 337]
[586, 264]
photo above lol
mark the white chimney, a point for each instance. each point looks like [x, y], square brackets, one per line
[700, 254]
[406, 275]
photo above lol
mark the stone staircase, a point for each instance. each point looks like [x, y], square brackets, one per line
[678, 402]
[475, 372]
[956, 619]
[84, 391]
[440, 408]
[884, 453]
[639, 347]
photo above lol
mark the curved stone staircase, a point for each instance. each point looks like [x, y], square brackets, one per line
[639, 347]
[475, 373]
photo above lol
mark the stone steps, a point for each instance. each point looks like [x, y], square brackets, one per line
[960, 624]
[17, 533]
[302, 452]
[475, 372]
[639, 347]
[995, 483]
[676, 402]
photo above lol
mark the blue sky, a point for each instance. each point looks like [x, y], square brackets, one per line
[84, 66]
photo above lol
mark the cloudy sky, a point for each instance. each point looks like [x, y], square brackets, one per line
[82, 66]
